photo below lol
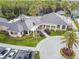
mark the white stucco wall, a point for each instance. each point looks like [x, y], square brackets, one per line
[15, 35]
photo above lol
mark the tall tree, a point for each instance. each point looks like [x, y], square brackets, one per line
[70, 39]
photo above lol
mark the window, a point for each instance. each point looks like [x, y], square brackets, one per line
[63, 27]
[47, 26]
[25, 32]
[11, 32]
[14, 33]
[44, 26]
[52, 26]
[58, 26]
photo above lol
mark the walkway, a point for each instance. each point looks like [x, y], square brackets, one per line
[44, 33]
[17, 47]
[49, 48]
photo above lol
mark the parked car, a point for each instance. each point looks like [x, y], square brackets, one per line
[4, 52]
[12, 54]
[30, 55]
[2, 49]
[23, 54]
[26, 56]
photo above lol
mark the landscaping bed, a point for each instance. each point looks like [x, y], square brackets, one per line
[67, 53]
[23, 41]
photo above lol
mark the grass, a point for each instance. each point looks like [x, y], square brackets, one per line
[23, 41]
[55, 33]
[37, 56]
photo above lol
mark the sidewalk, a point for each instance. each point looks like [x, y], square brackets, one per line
[43, 32]
[49, 48]
[17, 47]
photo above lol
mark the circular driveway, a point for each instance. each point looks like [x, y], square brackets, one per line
[49, 48]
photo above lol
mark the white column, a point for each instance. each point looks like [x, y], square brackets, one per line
[28, 32]
[19, 34]
[65, 27]
[9, 33]
[60, 27]
[22, 33]
[50, 27]
[33, 34]
[42, 26]
[45, 26]
[55, 27]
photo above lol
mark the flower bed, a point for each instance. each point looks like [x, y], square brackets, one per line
[67, 53]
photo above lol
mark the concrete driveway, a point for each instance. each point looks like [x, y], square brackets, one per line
[49, 48]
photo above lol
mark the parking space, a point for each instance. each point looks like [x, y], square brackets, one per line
[24, 55]
[1, 49]
[8, 53]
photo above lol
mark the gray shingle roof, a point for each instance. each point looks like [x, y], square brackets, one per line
[15, 27]
[32, 21]
[21, 24]
[52, 18]
[4, 24]
[18, 26]
[61, 12]
[27, 22]
[3, 20]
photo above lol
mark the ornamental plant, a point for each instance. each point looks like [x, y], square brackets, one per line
[70, 40]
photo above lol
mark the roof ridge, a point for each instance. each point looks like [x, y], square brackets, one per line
[61, 17]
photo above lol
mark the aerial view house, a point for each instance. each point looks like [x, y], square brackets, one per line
[39, 29]
[26, 24]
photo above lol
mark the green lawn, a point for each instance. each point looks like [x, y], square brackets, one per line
[37, 56]
[24, 41]
[54, 33]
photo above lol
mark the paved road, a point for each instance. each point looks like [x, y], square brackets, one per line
[23, 53]
[50, 48]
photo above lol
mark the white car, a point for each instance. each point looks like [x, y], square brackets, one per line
[12, 54]
[4, 52]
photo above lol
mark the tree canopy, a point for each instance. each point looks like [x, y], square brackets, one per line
[13, 8]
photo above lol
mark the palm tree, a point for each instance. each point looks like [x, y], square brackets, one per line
[70, 39]
[72, 7]
[52, 5]
[68, 7]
